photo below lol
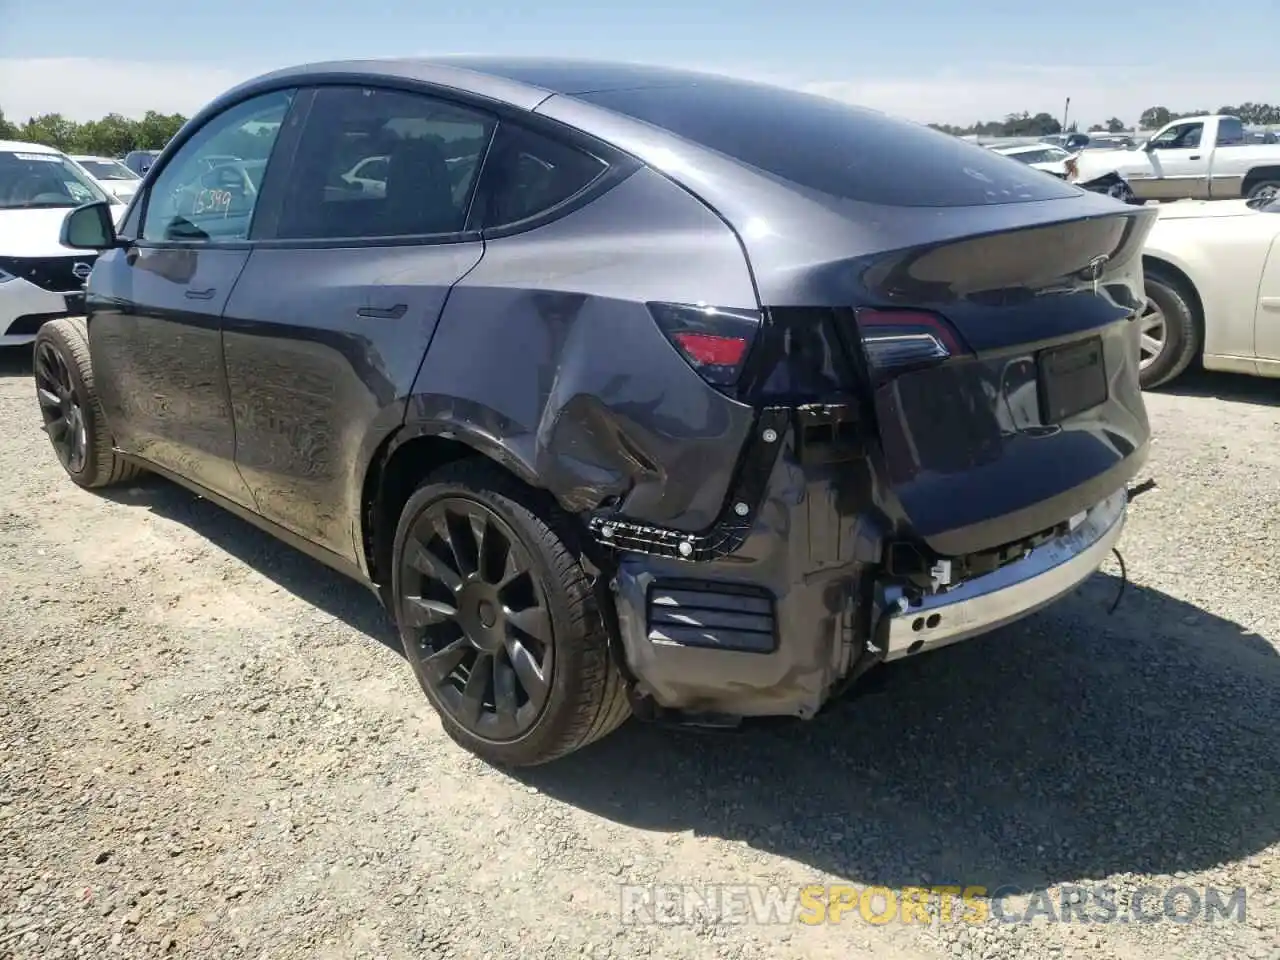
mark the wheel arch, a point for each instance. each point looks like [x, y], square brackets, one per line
[1175, 274]
[398, 464]
[1258, 175]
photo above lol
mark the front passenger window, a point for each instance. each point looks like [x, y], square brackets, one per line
[1179, 138]
[209, 189]
[374, 163]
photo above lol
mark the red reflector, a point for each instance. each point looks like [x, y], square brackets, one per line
[708, 350]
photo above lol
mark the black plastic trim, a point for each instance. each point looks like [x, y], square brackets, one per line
[731, 529]
[29, 324]
[716, 616]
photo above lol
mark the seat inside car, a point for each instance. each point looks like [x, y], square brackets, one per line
[417, 199]
[419, 195]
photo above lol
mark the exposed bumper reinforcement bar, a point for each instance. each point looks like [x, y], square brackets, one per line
[1013, 591]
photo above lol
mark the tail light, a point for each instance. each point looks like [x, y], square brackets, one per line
[896, 341]
[714, 341]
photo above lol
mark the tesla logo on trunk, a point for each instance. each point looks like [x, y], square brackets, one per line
[81, 270]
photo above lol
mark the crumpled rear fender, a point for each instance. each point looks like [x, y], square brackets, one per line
[547, 358]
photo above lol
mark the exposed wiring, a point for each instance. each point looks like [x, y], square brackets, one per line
[1124, 579]
[1132, 493]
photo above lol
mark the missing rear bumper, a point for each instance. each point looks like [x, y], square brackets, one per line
[1008, 594]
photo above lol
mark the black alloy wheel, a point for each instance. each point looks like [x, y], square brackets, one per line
[478, 617]
[62, 408]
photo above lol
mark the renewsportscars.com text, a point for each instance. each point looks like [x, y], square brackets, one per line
[817, 904]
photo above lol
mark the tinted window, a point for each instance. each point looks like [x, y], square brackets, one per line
[1230, 131]
[527, 174]
[32, 180]
[833, 147]
[1181, 137]
[209, 189]
[381, 163]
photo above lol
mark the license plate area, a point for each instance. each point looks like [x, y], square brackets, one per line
[1073, 378]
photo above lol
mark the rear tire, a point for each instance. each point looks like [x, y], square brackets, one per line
[1169, 309]
[498, 619]
[1269, 187]
[69, 405]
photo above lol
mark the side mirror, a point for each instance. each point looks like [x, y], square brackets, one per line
[90, 227]
[1146, 146]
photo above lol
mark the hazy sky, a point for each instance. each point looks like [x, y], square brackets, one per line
[930, 60]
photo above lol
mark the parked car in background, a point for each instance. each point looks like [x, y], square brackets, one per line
[1071, 142]
[1041, 156]
[1200, 158]
[111, 175]
[1109, 141]
[1213, 276]
[40, 278]
[635, 405]
[139, 161]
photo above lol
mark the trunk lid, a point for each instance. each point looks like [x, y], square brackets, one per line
[1036, 414]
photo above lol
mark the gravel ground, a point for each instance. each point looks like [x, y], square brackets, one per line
[210, 747]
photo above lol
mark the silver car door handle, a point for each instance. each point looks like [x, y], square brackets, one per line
[383, 313]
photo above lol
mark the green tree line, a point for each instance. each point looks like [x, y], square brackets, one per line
[112, 136]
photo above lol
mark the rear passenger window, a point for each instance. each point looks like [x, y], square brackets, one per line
[1230, 132]
[383, 163]
[528, 174]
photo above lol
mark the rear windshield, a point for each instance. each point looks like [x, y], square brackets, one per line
[834, 147]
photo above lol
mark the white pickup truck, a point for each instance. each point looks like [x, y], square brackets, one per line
[1198, 158]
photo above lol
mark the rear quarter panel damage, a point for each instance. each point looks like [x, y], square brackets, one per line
[546, 356]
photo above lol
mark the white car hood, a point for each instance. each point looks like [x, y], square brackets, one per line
[124, 189]
[1200, 209]
[1058, 167]
[34, 233]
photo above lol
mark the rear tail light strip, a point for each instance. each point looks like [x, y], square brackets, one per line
[898, 341]
[714, 341]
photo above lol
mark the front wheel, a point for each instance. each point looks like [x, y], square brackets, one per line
[1123, 192]
[1169, 336]
[499, 622]
[69, 406]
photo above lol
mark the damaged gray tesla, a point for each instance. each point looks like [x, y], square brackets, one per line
[629, 390]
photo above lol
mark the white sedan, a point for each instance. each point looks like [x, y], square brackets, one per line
[111, 175]
[1212, 272]
[1043, 156]
[40, 279]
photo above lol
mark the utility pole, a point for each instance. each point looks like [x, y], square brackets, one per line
[1065, 111]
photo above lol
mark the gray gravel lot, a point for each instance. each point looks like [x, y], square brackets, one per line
[210, 747]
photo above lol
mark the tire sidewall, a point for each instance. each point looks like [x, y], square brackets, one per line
[1179, 333]
[566, 655]
[1257, 188]
[56, 337]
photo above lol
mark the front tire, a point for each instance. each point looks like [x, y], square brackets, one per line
[70, 408]
[1170, 335]
[499, 621]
